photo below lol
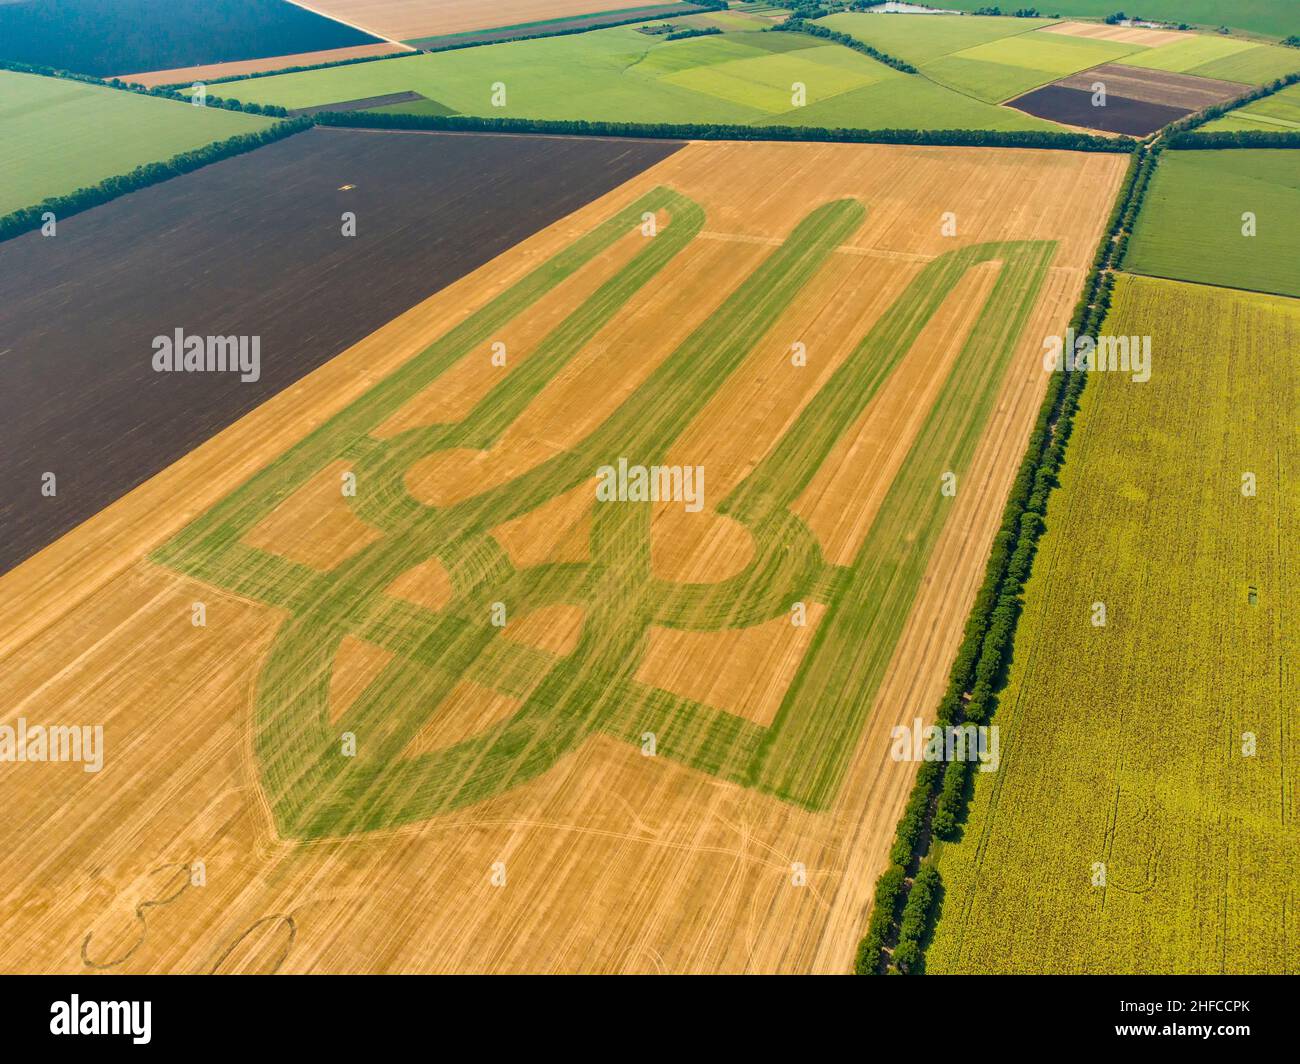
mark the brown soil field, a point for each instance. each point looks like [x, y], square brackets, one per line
[1156, 86]
[247, 246]
[1138, 101]
[609, 860]
[212, 71]
[407, 20]
[1074, 107]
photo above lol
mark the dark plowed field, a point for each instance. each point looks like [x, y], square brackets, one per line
[248, 246]
[106, 37]
[1073, 107]
[1156, 86]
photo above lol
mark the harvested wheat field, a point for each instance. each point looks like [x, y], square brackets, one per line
[458, 711]
[406, 20]
[1097, 31]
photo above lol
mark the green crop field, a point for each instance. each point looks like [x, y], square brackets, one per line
[1279, 113]
[1014, 65]
[992, 59]
[1274, 18]
[1224, 58]
[803, 754]
[921, 40]
[1143, 818]
[624, 75]
[57, 135]
[1191, 226]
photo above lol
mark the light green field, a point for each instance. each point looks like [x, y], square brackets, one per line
[1012, 66]
[621, 75]
[1129, 828]
[1190, 226]
[1279, 113]
[1258, 66]
[906, 103]
[992, 59]
[1276, 18]
[1182, 57]
[765, 80]
[803, 754]
[1224, 58]
[57, 135]
[920, 39]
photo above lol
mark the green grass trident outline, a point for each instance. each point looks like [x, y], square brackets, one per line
[316, 792]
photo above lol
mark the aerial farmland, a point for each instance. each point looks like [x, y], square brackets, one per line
[562, 487]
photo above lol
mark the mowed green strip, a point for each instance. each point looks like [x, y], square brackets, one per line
[1192, 225]
[57, 135]
[1143, 815]
[622, 75]
[832, 695]
[1273, 114]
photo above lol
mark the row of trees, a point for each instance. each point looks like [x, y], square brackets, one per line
[681, 35]
[915, 921]
[940, 795]
[1237, 138]
[687, 131]
[27, 219]
[795, 24]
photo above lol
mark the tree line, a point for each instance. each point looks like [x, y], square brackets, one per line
[1064, 141]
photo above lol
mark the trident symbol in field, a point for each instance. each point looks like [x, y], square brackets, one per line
[314, 792]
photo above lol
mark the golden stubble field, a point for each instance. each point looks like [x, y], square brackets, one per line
[407, 20]
[610, 861]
